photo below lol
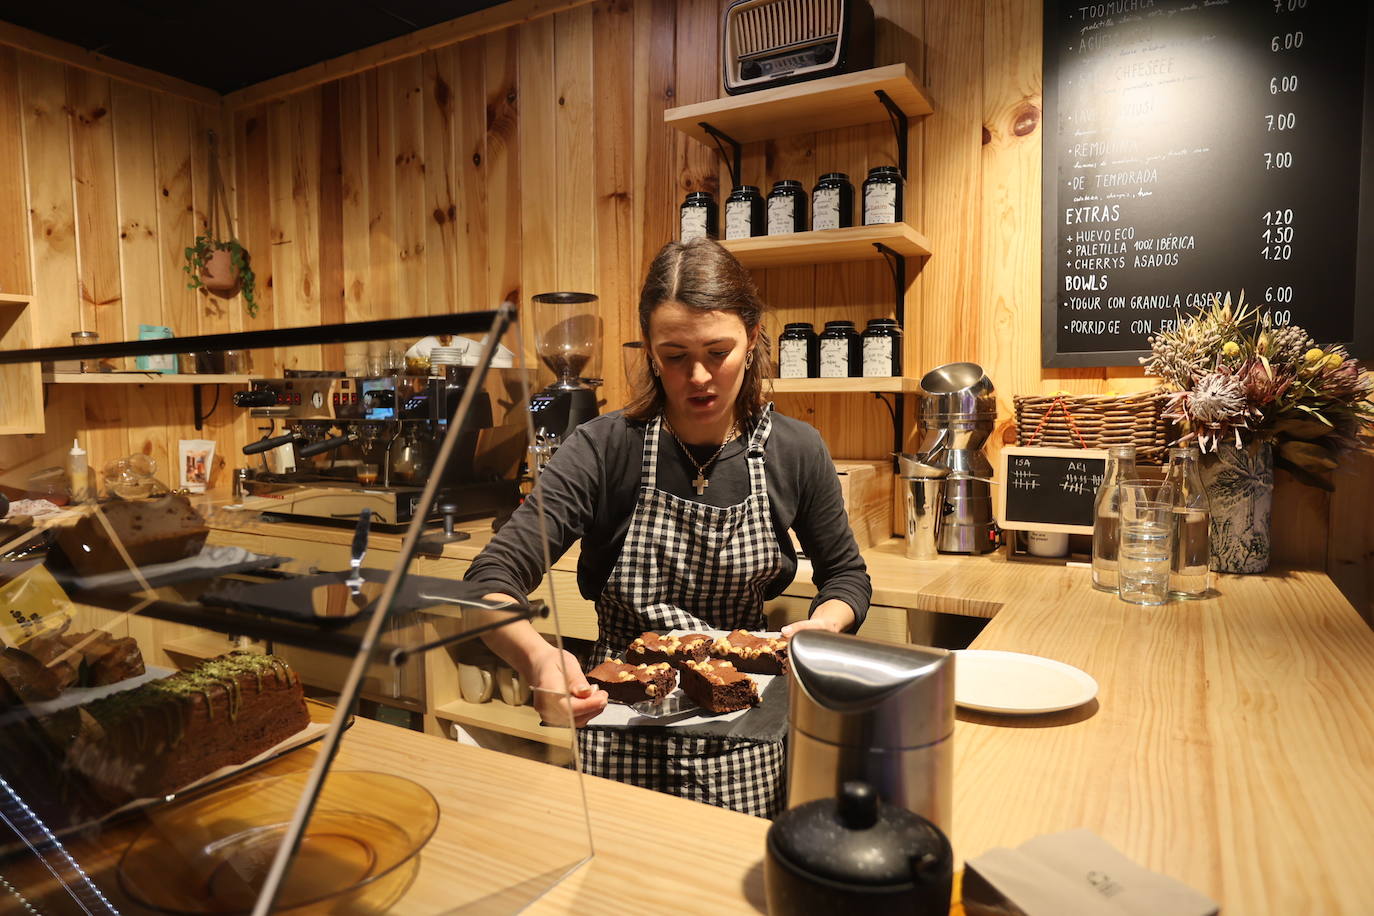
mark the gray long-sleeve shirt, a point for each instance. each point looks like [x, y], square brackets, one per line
[590, 486]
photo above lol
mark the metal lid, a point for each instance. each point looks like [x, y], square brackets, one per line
[957, 390]
[566, 298]
[744, 189]
[834, 176]
[864, 693]
[701, 196]
[787, 184]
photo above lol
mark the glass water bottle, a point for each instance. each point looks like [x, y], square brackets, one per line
[1107, 515]
[1189, 576]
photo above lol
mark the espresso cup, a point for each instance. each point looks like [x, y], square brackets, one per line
[476, 682]
[514, 690]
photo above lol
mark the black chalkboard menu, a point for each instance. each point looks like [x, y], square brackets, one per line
[1049, 489]
[1195, 147]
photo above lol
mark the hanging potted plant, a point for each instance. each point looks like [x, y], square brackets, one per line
[221, 268]
[214, 263]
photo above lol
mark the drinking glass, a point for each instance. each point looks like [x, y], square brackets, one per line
[367, 474]
[1146, 542]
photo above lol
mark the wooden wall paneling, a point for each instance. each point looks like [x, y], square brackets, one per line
[175, 211]
[354, 101]
[1350, 542]
[577, 148]
[213, 313]
[899, 32]
[15, 266]
[538, 159]
[444, 242]
[304, 108]
[282, 227]
[253, 200]
[657, 187]
[381, 196]
[52, 218]
[97, 216]
[145, 418]
[330, 286]
[136, 171]
[614, 138]
[409, 201]
[469, 222]
[1299, 523]
[500, 164]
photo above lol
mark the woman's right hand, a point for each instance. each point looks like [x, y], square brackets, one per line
[554, 696]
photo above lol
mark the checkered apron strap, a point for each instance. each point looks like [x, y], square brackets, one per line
[740, 774]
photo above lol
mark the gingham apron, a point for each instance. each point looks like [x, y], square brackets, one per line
[689, 566]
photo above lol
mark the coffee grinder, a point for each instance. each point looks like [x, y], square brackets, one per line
[568, 336]
[958, 411]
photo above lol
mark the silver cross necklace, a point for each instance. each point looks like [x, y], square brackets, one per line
[701, 483]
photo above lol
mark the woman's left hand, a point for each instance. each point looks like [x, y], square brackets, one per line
[833, 615]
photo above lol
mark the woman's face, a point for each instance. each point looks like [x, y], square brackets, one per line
[700, 360]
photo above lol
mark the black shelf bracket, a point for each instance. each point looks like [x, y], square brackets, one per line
[896, 263]
[733, 157]
[900, 128]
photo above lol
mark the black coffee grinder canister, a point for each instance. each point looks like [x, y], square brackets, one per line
[856, 854]
[568, 331]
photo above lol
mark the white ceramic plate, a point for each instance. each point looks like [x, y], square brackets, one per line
[1014, 683]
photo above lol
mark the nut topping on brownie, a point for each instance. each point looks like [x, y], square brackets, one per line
[626, 683]
[717, 686]
[753, 654]
[674, 649]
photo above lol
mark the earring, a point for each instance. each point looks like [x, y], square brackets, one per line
[749, 359]
[653, 369]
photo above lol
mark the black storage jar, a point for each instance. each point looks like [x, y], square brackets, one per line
[799, 351]
[883, 195]
[832, 202]
[882, 348]
[698, 219]
[786, 207]
[841, 351]
[744, 212]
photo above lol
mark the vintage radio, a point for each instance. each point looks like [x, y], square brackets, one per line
[766, 43]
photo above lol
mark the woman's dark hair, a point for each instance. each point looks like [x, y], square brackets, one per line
[701, 274]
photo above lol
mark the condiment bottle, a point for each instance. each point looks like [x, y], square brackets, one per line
[1189, 575]
[786, 207]
[832, 202]
[744, 213]
[882, 348]
[841, 350]
[698, 218]
[1107, 515]
[883, 195]
[79, 472]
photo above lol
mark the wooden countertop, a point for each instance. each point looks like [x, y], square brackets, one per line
[1231, 745]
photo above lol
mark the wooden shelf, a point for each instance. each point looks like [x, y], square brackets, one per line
[21, 395]
[836, 101]
[520, 721]
[828, 246]
[143, 378]
[844, 385]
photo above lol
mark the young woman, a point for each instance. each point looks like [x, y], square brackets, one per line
[683, 500]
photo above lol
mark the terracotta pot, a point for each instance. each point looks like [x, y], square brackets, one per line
[219, 274]
[1240, 489]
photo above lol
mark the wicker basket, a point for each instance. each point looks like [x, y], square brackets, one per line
[1098, 422]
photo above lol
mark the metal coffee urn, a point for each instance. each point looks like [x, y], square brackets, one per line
[871, 711]
[958, 411]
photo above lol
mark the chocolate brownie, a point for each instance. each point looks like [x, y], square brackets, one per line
[717, 686]
[675, 650]
[753, 654]
[634, 683]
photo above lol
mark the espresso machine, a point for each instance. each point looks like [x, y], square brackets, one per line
[957, 413]
[568, 336]
[370, 443]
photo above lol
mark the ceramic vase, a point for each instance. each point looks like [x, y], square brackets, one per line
[1240, 488]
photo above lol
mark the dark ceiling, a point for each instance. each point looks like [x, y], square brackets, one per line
[227, 46]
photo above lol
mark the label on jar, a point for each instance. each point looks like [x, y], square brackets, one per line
[792, 359]
[825, 209]
[880, 203]
[781, 214]
[877, 357]
[834, 359]
[737, 219]
[693, 223]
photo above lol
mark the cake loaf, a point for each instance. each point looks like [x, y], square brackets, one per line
[159, 530]
[168, 733]
[634, 683]
[753, 654]
[716, 686]
[675, 650]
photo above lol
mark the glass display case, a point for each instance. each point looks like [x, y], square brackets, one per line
[189, 697]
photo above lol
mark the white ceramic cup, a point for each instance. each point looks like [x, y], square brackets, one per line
[476, 682]
[514, 691]
[1047, 543]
